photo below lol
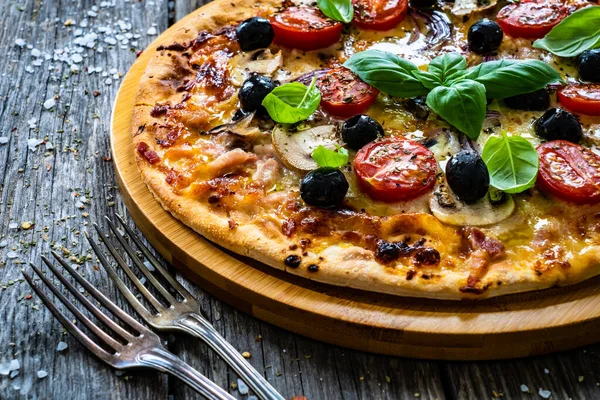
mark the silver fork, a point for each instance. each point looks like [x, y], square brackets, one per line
[179, 315]
[143, 349]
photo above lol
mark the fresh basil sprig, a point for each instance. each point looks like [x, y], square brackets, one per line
[292, 102]
[455, 93]
[338, 10]
[578, 32]
[442, 70]
[325, 157]
[512, 163]
[387, 72]
[507, 78]
[461, 104]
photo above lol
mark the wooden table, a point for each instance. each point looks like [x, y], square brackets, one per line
[56, 177]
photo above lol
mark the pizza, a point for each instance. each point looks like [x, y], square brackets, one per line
[427, 149]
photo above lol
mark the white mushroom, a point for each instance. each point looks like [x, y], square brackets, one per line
[466, 7]
[241, 127]
[294, 149]
[261, 61]
[449, 209]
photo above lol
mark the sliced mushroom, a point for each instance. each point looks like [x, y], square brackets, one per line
[449, 209]
[466, 7]
[261, 61]
[241, 127]
[294, 149]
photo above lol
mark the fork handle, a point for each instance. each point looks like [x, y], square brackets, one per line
[196, 325]
[165, 361]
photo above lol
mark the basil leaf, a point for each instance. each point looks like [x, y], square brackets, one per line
[429, 80]
[330, 158]
[441, 69]
[506, 78]
[512, 163]
[339, 10]
[462, 105]
[292, 102]
[386, 72]
[446, 66]
[578, 32]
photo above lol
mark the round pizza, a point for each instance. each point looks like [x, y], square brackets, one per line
[419, 148]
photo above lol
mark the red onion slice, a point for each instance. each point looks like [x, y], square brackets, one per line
[438, 24]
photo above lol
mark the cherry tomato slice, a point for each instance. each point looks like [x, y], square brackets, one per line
[581, 99]
[569, 171]
[343, 94]
[379, 15]
[305, 28]
[531, 19]
[395, 169]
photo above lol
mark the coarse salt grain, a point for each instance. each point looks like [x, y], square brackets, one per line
[61, 346]
[20, 43]
[148, 265]
[33, 143]
[545, 394]
[242, 387]
[15, 365]
[48, 104]
[42, 374]
[3, 139]
[4, 369]
[152, 31]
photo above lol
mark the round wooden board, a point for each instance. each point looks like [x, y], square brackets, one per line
[506, 327]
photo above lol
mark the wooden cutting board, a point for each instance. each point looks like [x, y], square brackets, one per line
[507, 327]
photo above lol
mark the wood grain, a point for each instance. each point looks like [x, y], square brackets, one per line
[39, 187]
[46, 198]
[497, 328]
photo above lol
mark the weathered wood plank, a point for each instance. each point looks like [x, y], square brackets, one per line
[39, 187]
[567, 375]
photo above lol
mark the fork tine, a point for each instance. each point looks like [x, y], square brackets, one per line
[143, 289]
[70, 326]
[112, 343]
[139, 264]
[135, 303]
[105, 301]
[88, 304]
[155, 263]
